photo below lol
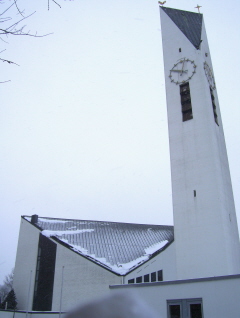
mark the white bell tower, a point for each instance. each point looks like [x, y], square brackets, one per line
[205, 225]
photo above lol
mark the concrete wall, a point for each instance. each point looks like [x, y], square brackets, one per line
[25, 265]
[79, 279]
[34, 314]
[165, 261]
[205, 226]
[220, 295]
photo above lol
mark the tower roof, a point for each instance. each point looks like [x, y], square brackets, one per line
[190, 23]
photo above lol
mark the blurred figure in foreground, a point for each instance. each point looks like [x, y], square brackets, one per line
[118, 305]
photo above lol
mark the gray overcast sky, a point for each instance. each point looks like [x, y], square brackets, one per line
[83, 121]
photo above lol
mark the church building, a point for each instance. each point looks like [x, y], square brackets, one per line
[191, 270]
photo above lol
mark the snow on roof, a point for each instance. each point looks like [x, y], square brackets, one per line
[119, 247]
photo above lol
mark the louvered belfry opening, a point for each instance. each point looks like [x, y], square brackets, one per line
[186, 102]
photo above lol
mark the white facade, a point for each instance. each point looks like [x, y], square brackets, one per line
[79, 281]
[25, 265]
[165, 261]
[219, 295]
[205, 225]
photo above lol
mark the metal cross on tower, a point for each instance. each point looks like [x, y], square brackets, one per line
[198, 7]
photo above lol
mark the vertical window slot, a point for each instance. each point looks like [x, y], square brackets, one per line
[186, 102]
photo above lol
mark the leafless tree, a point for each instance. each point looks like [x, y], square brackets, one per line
[7, 285]
[12, 23]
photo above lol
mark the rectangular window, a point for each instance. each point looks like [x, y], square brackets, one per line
[139, 279]
[160, 276]
[185, 308]
[146, 278]
[131, 281]
[186, 102]
[195, 310]
[153, 277]
[214, 106]
[44, 277]
[174, 311]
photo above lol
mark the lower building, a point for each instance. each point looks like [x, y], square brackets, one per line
[62, 262]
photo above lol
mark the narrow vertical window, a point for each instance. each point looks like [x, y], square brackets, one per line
[139, 279]
[186, 102]
[146, 278]
[214, 106]
[44, 277]
[160, 275]
[153, 277]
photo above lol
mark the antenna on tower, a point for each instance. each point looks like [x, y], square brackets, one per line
[198, 7]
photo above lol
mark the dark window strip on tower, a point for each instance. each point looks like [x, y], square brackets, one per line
[44, 277]
[186, 102]
[214, 106]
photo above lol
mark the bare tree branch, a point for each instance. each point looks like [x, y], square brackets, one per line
[9, 62]
[12, 30]
[2, 13]
[7, 28]
[54, 2]
[15, 1]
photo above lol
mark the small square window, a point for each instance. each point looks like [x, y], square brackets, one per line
[131, 281]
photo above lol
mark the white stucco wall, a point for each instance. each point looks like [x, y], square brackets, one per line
[205, 226]
[25, 265]
[165, 261]
[82, 279]
[220, 297]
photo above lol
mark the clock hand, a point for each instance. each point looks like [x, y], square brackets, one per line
[179, 71]
[182, 67]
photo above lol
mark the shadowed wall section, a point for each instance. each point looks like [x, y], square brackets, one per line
[44, 279]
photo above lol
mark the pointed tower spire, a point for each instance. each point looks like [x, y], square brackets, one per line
[190, 23]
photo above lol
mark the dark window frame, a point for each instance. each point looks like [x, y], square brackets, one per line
[153, 277]
[186, 103]
[139, 280]
[214, 106]
[185, 305]
[146, 278]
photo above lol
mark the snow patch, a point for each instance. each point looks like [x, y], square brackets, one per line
[121, 268]
[154, 248]
[49, 233]
[52, 221]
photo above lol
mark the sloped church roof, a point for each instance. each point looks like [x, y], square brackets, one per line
[118, 247]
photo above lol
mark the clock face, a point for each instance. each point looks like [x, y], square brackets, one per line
[209, 74]
[182, 71]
